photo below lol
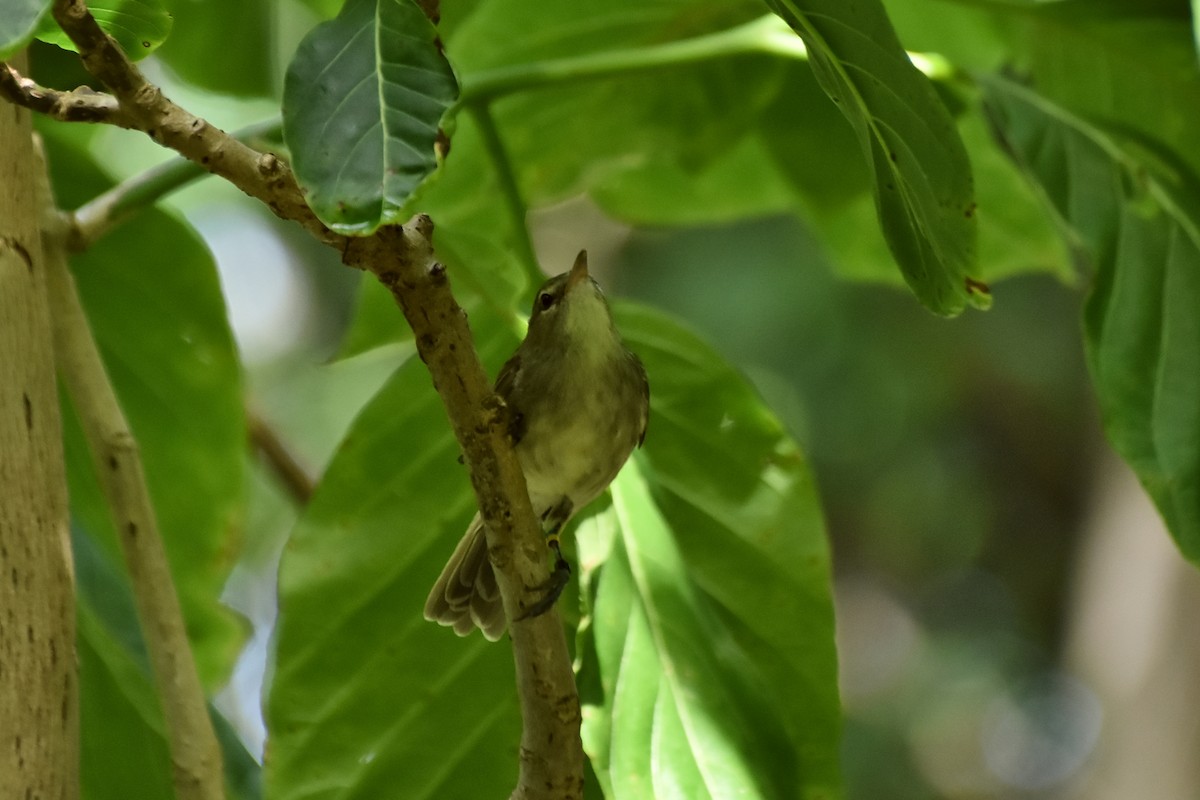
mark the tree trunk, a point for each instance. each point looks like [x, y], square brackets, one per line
[39, 738]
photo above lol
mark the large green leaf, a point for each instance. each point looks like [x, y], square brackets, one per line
[139, 26]
[18, 22]
[711, 668]
[920, 171]
[161, 326]
[362, 103]
[1136, 217]
[366, 695]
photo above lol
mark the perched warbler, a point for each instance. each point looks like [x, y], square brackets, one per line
[579, 402]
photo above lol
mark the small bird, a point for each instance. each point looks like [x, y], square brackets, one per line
[579, 401]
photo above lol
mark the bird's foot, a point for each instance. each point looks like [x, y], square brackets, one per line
[552, 588]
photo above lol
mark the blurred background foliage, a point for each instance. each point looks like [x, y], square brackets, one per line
[1011, 617]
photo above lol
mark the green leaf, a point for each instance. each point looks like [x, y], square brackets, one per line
[363, 99]
[580, 134]
[139, 26]
[742, 182]
[920, 171]
[358, 566]
[367, 695]
[123, 752]
[1015, 236]
[1136, 216]
[1128, 64]
[18, 21]
[709, 668]
[161, 326]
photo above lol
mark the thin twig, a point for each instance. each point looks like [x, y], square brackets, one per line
[279, 458]
[106, 211]
[195, 754]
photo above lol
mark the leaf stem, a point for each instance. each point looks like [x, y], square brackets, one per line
[482, 114]
[106, 211]
[767, 34]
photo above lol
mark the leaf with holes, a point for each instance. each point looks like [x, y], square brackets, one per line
[362, 103]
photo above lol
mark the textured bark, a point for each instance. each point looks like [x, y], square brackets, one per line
[39, 717]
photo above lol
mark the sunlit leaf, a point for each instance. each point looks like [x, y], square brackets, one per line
[363, 100]
[589, 135]
[711, 637]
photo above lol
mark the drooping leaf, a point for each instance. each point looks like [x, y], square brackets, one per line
[18, 21]
[1015, 236]
[160, 323]
[1135, 217]
[920, 171]
[139, 26]
[363, 100]
[711, 637]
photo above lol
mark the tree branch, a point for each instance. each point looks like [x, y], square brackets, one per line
[551, 755]
[195, 753]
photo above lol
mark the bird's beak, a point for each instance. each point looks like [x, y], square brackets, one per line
[579, 272]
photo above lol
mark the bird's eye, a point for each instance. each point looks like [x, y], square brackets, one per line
[545, 299]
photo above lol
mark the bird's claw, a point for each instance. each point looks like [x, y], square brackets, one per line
[552, 588]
